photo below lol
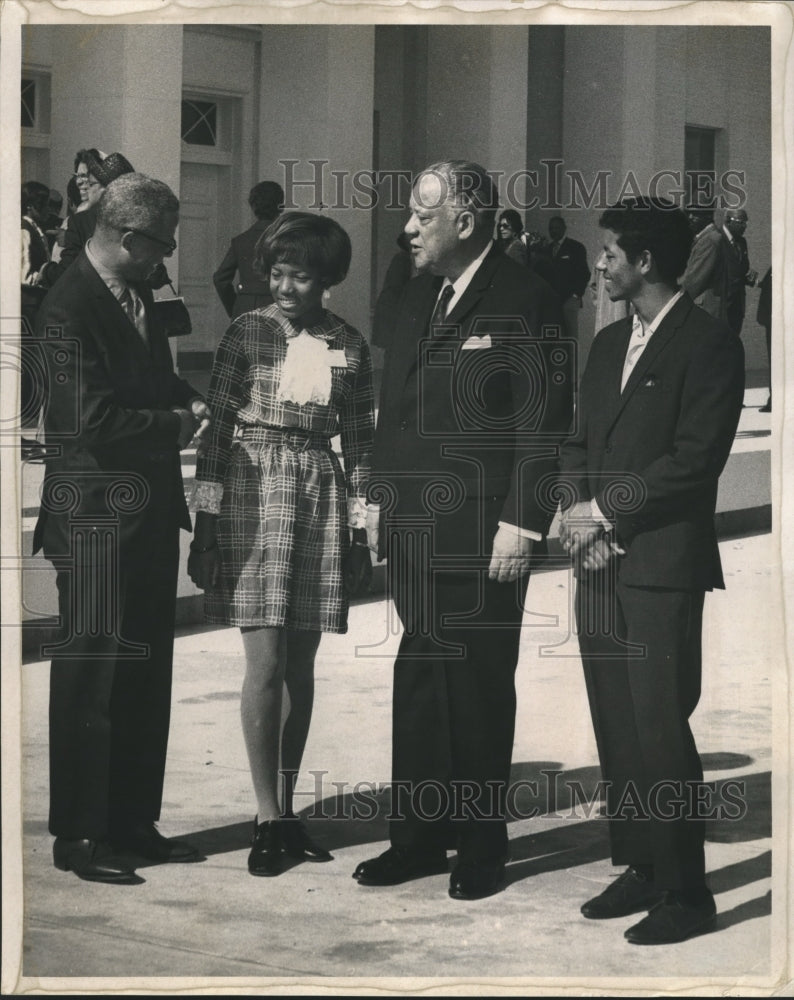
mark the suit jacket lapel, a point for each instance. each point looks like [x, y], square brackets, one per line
[475, 289]
[658, 342]
[111, 305]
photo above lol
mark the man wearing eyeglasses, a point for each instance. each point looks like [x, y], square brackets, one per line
[112, 505]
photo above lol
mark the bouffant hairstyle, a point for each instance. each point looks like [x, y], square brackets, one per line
[655, 225]
[306, 240]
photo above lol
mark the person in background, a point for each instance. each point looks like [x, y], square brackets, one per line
[94, 171]
[252, 289]
[738, 273]
[764, 318]
[54, 220]
[34, 262]
[280, 540]
[398, 274]
[568, 274]
[510, 231]
[704, 277]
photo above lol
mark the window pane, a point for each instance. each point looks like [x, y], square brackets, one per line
[28, 103]
[199, 123]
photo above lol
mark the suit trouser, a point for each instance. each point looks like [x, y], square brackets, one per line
[109, 710]
[642, 663]
[454, 715]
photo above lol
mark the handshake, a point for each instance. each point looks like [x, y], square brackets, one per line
[194, 420]
[588, 539]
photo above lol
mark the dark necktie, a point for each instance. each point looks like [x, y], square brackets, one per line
[440, 312]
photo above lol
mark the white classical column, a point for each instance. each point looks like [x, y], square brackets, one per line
[327, 73]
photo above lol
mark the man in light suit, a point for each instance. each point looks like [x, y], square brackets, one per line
[658, 409]
[112, 508]
[704, 277]
[477, 395]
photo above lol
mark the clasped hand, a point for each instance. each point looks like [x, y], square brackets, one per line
[194, 424]
[585, 539]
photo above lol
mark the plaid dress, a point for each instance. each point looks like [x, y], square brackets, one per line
[273, 479]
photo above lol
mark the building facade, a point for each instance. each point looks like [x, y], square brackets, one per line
[570, 117]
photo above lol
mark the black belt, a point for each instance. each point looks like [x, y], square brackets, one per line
[294, 438]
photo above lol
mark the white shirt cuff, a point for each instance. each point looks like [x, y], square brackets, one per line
[356, 512]
[523, 532]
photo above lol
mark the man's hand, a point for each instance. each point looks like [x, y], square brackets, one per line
[187, 426]
[596, 556]
[510, 556]
[578, 528]
[203, 418]
[204, 568]
[373, 527]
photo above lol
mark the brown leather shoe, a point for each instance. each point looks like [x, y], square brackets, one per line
[93, 861]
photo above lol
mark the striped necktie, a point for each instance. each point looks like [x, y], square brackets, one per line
[440, 311]
[132, 305]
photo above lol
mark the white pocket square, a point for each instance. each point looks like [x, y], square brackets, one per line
[476, 343]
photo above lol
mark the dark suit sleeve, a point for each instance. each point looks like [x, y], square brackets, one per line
[529, 502]
[223, 280]
[85, 400]
[711, 404]
[582, 275]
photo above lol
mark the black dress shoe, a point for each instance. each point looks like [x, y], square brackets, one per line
[476, 881]
[766, 408]
[298, 844]
[146, 841]
[674, 919]
[93, 861]
[265, 856]
[630, 893]
[400, 864]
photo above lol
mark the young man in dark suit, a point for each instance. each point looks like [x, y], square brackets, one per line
[658, 409]
[112, 508]
[476, 398]
[251, 290]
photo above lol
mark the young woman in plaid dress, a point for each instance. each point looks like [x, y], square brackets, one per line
[280, 541]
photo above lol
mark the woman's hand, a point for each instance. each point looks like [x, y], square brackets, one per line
[204, 568]
[357, 573]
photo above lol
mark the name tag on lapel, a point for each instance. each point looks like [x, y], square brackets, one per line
[649, 382]
[476, 343]
[337, 359]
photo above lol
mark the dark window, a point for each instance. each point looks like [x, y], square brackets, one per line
[699, 164]
[28, 103]
[200, 123]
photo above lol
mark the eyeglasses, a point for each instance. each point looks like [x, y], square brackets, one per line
[170, 245]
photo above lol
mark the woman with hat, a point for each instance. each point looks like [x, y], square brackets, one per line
[280, 539]
[94, 170]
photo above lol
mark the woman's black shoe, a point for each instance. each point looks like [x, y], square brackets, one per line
[297, 842]
[265, 856]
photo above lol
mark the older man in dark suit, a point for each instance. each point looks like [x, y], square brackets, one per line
[658, 409]
[112, 507]
[477, 394]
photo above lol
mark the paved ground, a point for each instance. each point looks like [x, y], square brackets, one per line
[313, 929]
